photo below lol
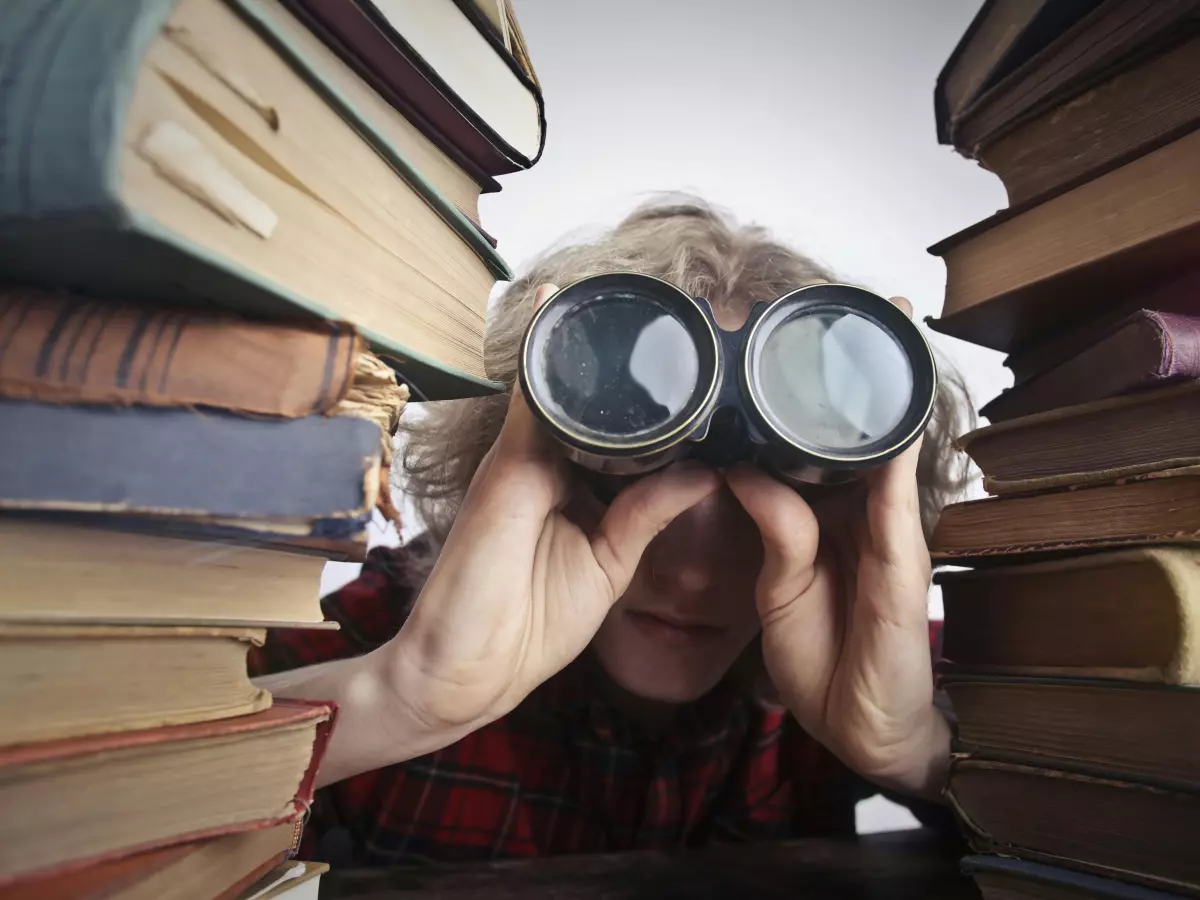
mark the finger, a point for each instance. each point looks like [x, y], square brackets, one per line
[522, 437]
[641, 511]
[894, 517]
[902, 304]
[789, 534]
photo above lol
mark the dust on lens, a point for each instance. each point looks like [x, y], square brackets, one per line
[619, 365]
[833, 379]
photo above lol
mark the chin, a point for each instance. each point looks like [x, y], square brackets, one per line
[663, 671]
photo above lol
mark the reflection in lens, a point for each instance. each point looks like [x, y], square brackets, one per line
[834, 380]
[619, 366]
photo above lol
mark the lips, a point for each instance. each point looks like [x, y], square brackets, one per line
[671, 629]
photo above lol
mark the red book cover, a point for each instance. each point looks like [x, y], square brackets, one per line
[283, 713]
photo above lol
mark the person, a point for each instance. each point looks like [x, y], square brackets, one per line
[707, 658]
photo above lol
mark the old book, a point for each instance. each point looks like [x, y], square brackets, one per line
[222, 868]
[314, 476]
[451, 173]
[1112, 36]
[1135, 110]
[1177, 295]
[1140, 731]
[74, 575]
[1132, 614]
[1091, 443]
[1003, 34]
[60, 348]
[1147, 349]
[293, 880]
[1025, 273]
[1094, 823]
[59, 681]
[448, 70]
[1163, 508]
[229, 171]
[88, 800]
[1002, 878]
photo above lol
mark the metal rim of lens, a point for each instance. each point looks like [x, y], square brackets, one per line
[854, 299]
[675, 298]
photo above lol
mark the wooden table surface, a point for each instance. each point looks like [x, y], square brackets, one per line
[894, 866]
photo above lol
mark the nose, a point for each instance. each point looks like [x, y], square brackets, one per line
[692, 553]
[671, 575]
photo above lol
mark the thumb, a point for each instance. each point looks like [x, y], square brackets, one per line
[641, 511]
[522, 437]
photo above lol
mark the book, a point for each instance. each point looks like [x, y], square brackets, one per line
[294, 880]
[1163, 508]
[1131, 614]
[447, 69]
[91, 799]
[61, 681]
[1146, 349]
[1090, 822]
[1177, 295]
[1092, 443]
[222, 868]
[229, 172]
[1143, 732]
[1132, 112]
[1001, 878]
[59, 348]
[311, 476]
[67, 574]
[1003, 34]
[451, 173]
[1024, 273]
[1110, 37]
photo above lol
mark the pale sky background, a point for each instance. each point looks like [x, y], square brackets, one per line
[811, 117]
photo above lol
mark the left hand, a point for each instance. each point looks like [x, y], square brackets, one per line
[843, 599]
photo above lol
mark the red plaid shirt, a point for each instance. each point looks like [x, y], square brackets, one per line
[564, 772]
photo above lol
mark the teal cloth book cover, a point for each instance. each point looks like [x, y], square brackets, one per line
[68, 73]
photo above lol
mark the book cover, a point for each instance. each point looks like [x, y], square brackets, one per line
[60, 348]
[1145, 350]
[74, 214]
[314, 476]
[87, 795]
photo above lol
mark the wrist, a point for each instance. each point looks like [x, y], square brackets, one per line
[919, 768]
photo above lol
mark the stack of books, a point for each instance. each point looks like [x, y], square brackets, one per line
[1073, 645]
[222, 235]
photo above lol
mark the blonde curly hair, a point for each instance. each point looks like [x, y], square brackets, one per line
[694, 245]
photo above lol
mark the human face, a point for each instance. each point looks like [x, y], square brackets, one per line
[689, 612]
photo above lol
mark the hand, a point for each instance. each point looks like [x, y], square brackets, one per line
[519, 588]
[842, 597]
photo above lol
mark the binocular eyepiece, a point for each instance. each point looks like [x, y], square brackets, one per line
[630, 373]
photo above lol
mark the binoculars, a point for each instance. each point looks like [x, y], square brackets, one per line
[629, 373]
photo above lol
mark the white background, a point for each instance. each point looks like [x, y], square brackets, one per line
[812, 117]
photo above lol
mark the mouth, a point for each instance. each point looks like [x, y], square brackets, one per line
[670, 629]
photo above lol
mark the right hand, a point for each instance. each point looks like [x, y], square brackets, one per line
[520, 589]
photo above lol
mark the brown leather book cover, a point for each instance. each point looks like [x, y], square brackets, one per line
[61, 348]
[1156, 508]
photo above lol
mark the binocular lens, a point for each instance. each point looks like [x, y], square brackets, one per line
[616, 368]
[832, 380]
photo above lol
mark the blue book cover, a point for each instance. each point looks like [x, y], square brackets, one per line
[316, 476]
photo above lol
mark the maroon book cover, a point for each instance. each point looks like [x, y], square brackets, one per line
[1145, 350]
[282, 713]
[359, 33]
